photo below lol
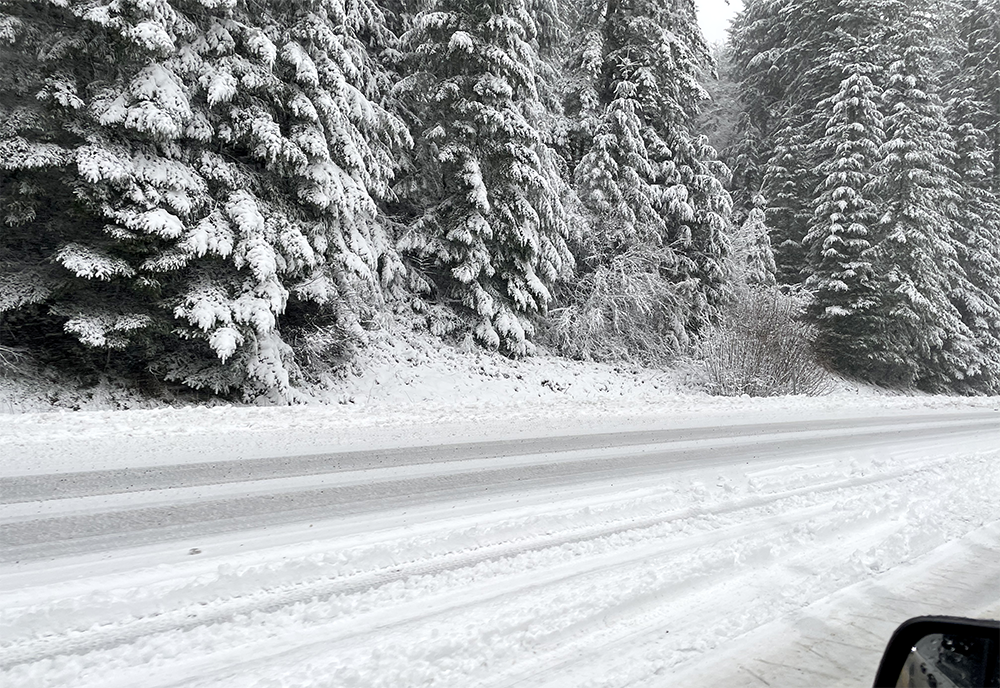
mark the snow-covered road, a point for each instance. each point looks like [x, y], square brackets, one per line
[782, 553]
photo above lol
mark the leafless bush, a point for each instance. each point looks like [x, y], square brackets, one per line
[324, 339]
[761, 348]
[12, 361]
[622, 311]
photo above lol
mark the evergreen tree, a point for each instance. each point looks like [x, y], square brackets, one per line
[897, 248]
[490, 225]
[979, 76]
[656, 189]
[976, 218]
[791, 56]
[752, 256]
[718, 116]
[924, 338]
[842, 279]
[756, 37]
[784, 54]
[788, 183]
[178, 174]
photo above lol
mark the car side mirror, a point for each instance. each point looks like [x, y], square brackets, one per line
[942, 652]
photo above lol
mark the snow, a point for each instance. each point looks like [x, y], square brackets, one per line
[731, 541]
[408, 389]
[221, 88]
[151, 37]
[461, 41]
[90, 263]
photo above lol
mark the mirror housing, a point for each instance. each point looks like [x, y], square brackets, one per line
[942, 651]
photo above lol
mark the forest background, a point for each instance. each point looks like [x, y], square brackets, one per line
[232, 195]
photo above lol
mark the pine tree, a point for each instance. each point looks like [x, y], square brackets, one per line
[718, 117]
[896, 251]
[924, 338]
[487, 194]
[784, 52]
[976, 217]
[842, 279]
[791, 56]
[788, 183]
[979, 32]
[204, 170]
[752, 256]
[656, 189]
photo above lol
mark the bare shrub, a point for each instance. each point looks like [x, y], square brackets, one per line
[622, 311]
[760, 347]
[13, 361]
[324, 337]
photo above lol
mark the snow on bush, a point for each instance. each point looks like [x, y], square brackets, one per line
[761, 348]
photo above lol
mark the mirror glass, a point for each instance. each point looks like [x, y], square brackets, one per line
[942, 660]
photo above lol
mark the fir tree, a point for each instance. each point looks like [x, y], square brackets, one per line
[752, 256]
[177, 175]
[892, 237]
[924, 338]
[490, 225]
[979, 77]
[788, 183]
[842, 279]
[655, 188]
[791, 56]
[976, 218]
[786, 48]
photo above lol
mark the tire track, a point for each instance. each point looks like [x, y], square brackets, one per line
[269, 602]
[19, 489]
[40, 538]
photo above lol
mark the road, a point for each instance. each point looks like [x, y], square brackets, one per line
[615, 559]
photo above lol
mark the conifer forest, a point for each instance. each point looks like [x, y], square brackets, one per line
[219, 193]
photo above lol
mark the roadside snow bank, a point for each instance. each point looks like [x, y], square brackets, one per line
[413, 390]
[96, 440]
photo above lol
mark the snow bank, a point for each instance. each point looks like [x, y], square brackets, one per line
[409, 389]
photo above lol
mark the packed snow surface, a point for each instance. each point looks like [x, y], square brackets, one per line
[561, 528]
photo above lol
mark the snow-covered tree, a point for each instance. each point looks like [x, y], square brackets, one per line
[978, 79]
[782, 53]
[656, 189]
[842, 279]
[791, 56]
[179, 174]
[789, 179]
[976, 216]
[756, 37]
[490, 228]
[883, 231]
[752, 256]
[923, 338]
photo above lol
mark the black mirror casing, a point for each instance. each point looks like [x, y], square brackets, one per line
[911, 632]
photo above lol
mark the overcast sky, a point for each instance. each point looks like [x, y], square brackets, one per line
[714, 17]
